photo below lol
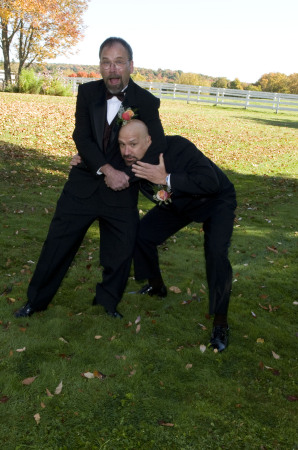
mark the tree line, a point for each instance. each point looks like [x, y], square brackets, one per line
[269, 82]
[40, 30]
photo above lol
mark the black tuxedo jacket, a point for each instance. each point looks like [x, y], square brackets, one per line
[91, 112]
[195, 179]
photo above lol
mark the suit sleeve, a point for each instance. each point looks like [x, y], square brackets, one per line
[191, 171]
[83, 134]
[149, 113]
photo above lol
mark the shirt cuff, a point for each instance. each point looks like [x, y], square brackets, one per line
[168, 181]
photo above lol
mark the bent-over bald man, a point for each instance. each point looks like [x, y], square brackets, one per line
[200, 192]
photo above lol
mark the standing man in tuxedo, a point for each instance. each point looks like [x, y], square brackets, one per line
[200, 192]
[96, 189]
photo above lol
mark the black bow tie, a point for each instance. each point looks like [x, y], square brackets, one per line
[120, 96]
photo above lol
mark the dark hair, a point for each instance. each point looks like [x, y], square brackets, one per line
[116, 40]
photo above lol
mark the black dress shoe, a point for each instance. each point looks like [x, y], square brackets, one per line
[116, 314]
[25, 311]
[219, 338]
[148, 289]
[94, 303]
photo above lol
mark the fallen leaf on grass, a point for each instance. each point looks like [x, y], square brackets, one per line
[275, 355]
[19, 350]
[165, 424]
[260, 341]
[99, 375]
[37, 418]
[292, 398]
[87, 375]
[272, 249]
[202, 326]
[138, 319]
[138, 328]
[94, 374]
[63, 340]
[203, 348]
[97, 337]
[175, 289]
[28, 381]
[186, 302]
[295, 303]
[4, 399]
[49, 394]
[59, 388]
[188, 366]
[133, 372]
[120, 357]
[253, 314]
[42, 405]
[269, 307]
[274, 371]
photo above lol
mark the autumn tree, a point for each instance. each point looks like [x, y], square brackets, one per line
[39, 29]
[274, 82]
[138, 77]
[191, 78]
[82, 74]
[220, 82]
[293, 83]
[235, 84]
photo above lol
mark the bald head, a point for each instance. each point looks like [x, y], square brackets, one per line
[134, 126]
[134, 141]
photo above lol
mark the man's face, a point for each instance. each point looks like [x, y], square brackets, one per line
[115, 67]
[133, 142]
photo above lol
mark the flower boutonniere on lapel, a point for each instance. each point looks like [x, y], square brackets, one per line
[162, 196]
[125, 115]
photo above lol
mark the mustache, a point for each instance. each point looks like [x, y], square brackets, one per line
[130, 159]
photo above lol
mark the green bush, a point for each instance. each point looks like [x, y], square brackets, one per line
[29, 83]
[55, 85]
[32, 83]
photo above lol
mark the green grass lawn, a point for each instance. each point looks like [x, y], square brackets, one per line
[160, 388]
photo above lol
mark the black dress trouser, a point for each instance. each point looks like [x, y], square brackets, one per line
[73, 216]
[217, 216]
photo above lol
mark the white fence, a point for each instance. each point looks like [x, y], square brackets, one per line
[214, 96]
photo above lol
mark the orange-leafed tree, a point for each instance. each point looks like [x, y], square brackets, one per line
[39, 29]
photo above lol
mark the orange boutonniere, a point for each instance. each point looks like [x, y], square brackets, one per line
[125, 115]
[162, 197]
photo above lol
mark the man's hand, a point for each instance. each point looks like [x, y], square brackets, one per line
[76, 159]
[115, 179]
[155, 173]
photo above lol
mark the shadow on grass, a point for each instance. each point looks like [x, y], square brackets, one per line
[31, 160]
[20, 164]
[278, 122]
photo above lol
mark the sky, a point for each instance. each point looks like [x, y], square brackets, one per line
[220, 38]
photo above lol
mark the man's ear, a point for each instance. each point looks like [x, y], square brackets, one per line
[149, 140]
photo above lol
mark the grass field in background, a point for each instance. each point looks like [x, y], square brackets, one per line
[160, 387]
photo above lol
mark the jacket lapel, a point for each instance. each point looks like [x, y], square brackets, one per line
[130, 98]
[99, 114]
